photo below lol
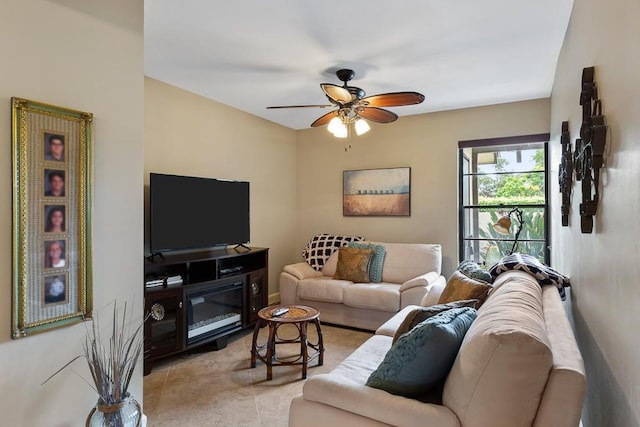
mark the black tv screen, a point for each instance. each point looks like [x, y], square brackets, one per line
[193, 213]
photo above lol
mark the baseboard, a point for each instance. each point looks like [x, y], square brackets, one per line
[274, 298]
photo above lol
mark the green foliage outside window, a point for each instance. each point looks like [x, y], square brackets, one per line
[533, 229]
[517, 185]
[496, 201]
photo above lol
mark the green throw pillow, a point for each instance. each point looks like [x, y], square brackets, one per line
[375, 268]
[473, 270]
[422, 358]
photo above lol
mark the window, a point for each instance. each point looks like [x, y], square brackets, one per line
[496, 176]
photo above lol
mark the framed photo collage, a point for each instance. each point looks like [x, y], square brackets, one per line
[51, 221]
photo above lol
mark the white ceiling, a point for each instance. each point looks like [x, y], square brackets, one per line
[250, 54]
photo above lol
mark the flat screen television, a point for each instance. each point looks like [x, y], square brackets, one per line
[188, 212]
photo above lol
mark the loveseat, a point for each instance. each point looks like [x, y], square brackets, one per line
[518, 365]
[409, 272]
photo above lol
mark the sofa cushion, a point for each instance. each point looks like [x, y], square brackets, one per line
[404, 261]
[321, 246]
[460, 287]
[322, 289]
[374, 296]
[330, 265]
[353, 264]
[503, 364]
[375, 268]
[344, 389]
[359, 365]
[422, 357]
[420, 314]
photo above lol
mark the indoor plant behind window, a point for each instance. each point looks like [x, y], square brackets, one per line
[112, 360]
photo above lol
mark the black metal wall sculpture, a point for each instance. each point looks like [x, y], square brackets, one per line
[589, 150]
[565, 173]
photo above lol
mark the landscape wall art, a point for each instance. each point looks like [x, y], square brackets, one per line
[377, 192]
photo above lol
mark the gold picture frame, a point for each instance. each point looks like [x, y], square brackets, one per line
[52, 195]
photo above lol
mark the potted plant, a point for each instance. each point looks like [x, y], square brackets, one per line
[112, 360]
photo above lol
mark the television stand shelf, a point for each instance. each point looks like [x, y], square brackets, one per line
[201, 297]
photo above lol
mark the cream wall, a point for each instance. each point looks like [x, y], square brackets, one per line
[186, 134]
[428, 144]
[603, 265]
[86, 56]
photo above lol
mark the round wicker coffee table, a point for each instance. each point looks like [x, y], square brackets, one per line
[298, 315]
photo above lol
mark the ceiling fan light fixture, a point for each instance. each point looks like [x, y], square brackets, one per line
[340, 131]
[334, 124]
[362, 127]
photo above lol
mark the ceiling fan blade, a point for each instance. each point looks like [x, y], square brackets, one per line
[336, 93]
[324, 119]
[301, 106]
[394, 99]
[377, 115]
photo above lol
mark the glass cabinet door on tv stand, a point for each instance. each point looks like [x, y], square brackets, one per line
[256, 294]
[164, 329]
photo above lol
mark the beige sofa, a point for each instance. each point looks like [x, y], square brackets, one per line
[519, 365]
[409, 272]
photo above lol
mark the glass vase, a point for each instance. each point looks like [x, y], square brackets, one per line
[126, 413]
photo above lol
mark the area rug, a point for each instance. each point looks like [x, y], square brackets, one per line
[218, 388]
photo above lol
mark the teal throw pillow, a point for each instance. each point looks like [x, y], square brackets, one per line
[420, 314]
[422, 358]
[473, 270]
[375, 268]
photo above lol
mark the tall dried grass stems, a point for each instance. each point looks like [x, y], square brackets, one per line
[112, 360]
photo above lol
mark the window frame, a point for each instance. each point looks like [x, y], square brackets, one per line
[464, 161]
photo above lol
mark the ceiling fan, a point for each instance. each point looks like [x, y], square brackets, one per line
[352, 106]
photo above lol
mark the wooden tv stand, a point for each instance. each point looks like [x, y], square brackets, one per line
[221, 292]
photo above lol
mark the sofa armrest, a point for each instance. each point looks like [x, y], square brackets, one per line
[390, 327]
[415, 291]
[348, 395]
[433, 295]
[425, 280]
[302, 270]
[563, 397]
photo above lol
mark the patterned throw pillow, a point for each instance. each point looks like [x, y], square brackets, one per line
[421, 314]
[473, 270]
[544, 274]
[422, 358]
[320, 248]
[379, 252]
[353, 264]
[460, 287]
